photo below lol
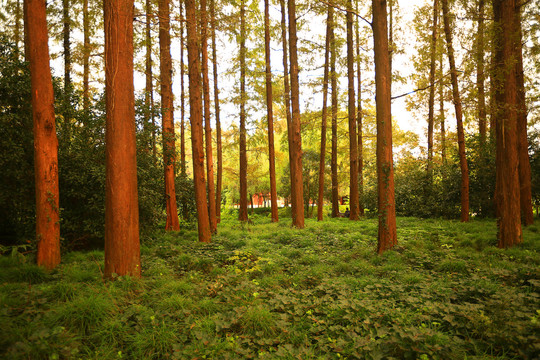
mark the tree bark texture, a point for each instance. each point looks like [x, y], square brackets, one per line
[45, 140]
[322, 154]
[353, 140]
[480, 75]
[459, 116]
[431, 111]
[167, 115]
[207, 117]
[122, 248]
[86, 56]
[182, 98]
[196, 119]
[359, 121]
[243, 215]
[296, 147]
[270, 114]
[387, 237]
[67, 113]
[149, 87]
[507, 162]
[219, 148]
[335, 93]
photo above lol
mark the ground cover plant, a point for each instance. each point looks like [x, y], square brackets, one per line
[266, 290]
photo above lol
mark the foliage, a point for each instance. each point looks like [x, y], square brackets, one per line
[265, 290]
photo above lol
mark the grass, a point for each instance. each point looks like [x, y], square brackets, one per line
[268, 291]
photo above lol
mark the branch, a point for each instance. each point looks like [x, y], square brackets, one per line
[345, 10]
[419, 89]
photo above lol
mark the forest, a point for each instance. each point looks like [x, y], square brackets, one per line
[300, 179]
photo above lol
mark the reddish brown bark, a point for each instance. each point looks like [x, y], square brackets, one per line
[219, 175]
[86, 56]
[296, 147]
[507, 162]
[353, 145]
[149, 88]
[523, 143]
[122, 248]
[480, 76]
[243, 215]
[359, 120]
[431, 111]
[207, 127]
[387, 237]
[195, 108]
[182, 97]
[270, 114]
[459, 116]
[167, 114]
[335, 93]
[322, 154]
[45, 140]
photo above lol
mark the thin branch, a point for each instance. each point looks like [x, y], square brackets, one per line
[345, 10]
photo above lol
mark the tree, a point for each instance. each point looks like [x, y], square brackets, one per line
[207, 127]
[182, 97]
[219, 148]
[122, 248]
[167, 116]
[431, 111]
[457, 106]
[506, 101]
[353, 145]
[45, 140]
[322, 154]
[86, 55]
[359, 120]
[149, 87]
[335, 90]
[387, 237]
[269, 114]
[295, 148]
[195, 108]
[243, 216]
[480, 75]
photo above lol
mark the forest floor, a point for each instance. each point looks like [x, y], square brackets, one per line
[266, 290]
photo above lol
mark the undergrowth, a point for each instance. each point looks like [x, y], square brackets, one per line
[265, 290]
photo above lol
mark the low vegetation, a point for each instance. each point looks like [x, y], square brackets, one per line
[265, 290]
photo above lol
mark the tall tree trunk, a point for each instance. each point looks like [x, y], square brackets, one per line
[322, 155]
[67, 71]
[243, 215]
[287, 92]
[219, 175]
[480, 76]
[45, 140]
[457, 105]
[207, 116]
[86, 56]
[182, 97]
[335, 93]
[296, 147]
[442, 114]
[353, 145]
[387, 237]
[523, 143]
[508, 192]
[359, 120]
[270, 114]
[149, 89]
[431, 111]
[195, 108]
[122, 247]
[390, 35]
[167, 115]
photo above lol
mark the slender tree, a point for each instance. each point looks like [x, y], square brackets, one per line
[296, 147]
[432, 64]
[270, 114]
[86, 56]
[182, 97]
[442, 115]
[67, 71]
[45, 140]
[353, 145]
[243, 216]
[207, 116]
[122, 247]
[167, 115]
[387, 237]
[335, 93]
[149, 87]
[322, 154]
[286, 97]
[219, 148]
[480, 75]
[359, 120]
[523, 143]
[195, 108]
[457, 105]
[506, 113]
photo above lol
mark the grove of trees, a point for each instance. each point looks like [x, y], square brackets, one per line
[267, 89]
